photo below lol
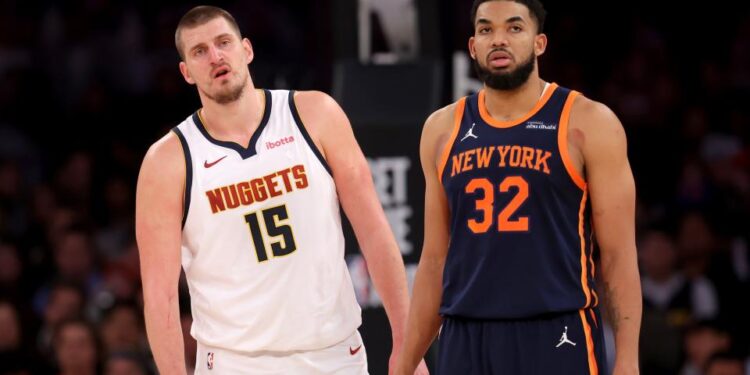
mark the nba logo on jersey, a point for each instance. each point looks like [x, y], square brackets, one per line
[210, 360]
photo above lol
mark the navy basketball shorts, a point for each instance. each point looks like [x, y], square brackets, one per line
[561, 344]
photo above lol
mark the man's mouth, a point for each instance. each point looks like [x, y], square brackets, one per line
[499, 59]
[221, 72]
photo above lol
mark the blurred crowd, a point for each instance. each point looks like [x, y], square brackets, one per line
[87, 86]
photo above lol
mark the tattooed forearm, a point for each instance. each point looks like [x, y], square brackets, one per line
[622, 304]
[611, 306]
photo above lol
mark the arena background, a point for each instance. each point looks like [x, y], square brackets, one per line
[87, 86]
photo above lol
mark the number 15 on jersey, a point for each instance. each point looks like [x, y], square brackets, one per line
[277, 229]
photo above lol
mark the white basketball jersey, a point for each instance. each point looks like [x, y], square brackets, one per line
[262, 245]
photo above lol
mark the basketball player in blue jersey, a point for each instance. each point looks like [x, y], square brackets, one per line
[244, 195]
[517, 177]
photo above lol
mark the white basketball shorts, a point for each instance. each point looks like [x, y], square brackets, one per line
[348, 357]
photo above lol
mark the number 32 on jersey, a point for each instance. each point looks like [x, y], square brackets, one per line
[485, 191]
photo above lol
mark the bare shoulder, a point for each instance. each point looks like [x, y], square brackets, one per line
[316, 107]
[164, 160]
[437, 131]
[322, 118]
[441, 121]
[595, 119]
[159, 205]
[167, 149]
[313, 99]
[596, 131]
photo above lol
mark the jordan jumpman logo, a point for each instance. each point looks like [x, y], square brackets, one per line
[564, 339]
[469, 133]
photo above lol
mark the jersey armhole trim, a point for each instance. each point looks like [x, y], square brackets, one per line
[188, 174]
[562, 142]
[305, 134]
[457, 116]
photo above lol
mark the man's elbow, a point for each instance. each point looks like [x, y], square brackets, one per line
[620, 262]
[357, 178]
[360, 172]
[157, 297]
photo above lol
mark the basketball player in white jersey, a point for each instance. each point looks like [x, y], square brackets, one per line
[244, 194]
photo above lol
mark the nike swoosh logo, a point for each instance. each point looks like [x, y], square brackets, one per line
[206, 164]
[355, 350]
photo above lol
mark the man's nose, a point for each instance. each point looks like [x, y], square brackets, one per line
[215, 55]
[499, 39]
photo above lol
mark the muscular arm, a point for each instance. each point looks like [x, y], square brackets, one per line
[333, 135]
[158, 220]
[612, 190]
[424, 320]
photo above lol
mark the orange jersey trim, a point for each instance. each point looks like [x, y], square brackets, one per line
[593, 367]
[593, 267]
[457, 116]
[507, 124]
[562, 142]
[593, 318]
[584, 261]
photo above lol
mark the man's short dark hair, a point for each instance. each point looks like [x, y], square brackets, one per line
[536, 9]
[198, 16]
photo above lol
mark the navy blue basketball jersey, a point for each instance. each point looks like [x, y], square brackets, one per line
[521, 236]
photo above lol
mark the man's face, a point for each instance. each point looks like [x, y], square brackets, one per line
[76, 348]
[121, 330]
[64, 303]
[505, 44]
[216, 60]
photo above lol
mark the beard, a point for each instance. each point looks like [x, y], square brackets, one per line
[229, 94]
[507, 80]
